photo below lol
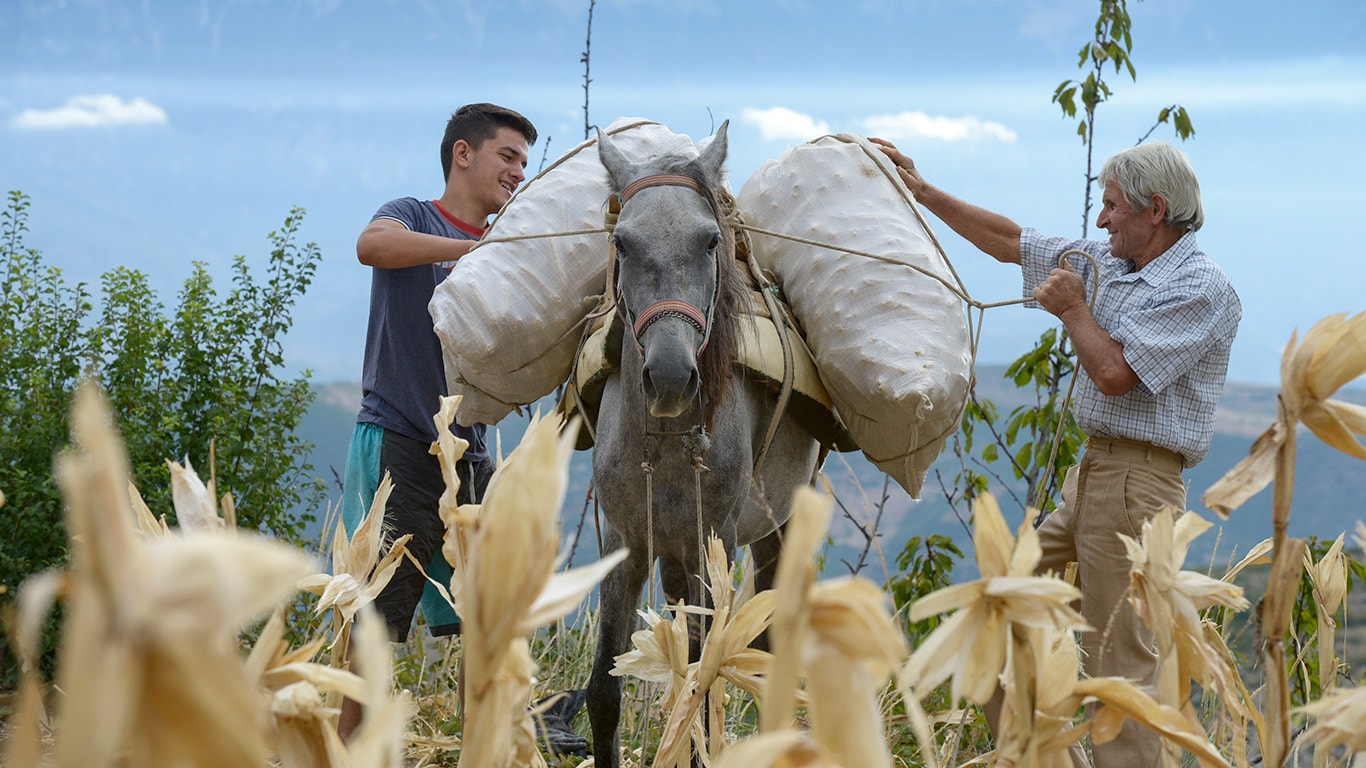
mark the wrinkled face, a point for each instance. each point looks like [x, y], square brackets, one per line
[497, 168]
[1132, 233]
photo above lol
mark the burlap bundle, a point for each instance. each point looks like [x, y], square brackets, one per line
[890, 341]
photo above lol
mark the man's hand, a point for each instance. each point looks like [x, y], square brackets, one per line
[905, 166]
[1062, 291]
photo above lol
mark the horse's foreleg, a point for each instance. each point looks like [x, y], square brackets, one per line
[618, 596]
[674, 578]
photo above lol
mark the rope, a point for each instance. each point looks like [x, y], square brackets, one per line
[648, 469]
[697, 469]
[1046, 482]
[743, 230]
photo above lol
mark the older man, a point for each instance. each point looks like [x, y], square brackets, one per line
[1154, 354]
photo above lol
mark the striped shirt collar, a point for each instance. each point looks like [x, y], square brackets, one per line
[1169, 264]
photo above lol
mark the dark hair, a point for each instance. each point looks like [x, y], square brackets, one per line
[475, 124]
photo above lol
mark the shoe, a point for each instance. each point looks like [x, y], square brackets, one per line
[553, 725]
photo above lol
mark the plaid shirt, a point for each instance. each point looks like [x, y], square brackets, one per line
[1176, 319]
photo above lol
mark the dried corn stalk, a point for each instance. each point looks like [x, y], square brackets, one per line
[1124, 699]
[841, 635]
[30, 719]
[971, 645]
[458, 520]
[150, 637]
[851, 651]
[304, 734]
[1339, 717]
[726, 656]
[806, 527]
[509, 589]
[1169, 600]
[1333, 353]
[992, 631]
[1328, 578]
[359, 574]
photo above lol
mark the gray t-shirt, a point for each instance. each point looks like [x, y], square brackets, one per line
[404, 378]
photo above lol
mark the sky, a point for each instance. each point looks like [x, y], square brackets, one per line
[157, 133]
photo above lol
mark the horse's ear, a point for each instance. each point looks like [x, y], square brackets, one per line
[619, 169]
[714, 154]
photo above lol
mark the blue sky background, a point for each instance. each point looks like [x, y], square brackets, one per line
[150, 134]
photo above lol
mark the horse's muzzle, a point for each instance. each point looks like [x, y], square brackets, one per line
[670, 380]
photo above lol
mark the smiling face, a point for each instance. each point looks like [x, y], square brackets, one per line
[495, 169]
[1132, 233]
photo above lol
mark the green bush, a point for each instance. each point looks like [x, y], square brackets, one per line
[205, 381]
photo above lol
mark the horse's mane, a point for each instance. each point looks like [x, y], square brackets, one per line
[716, 364]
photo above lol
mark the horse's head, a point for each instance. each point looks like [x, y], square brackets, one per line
[674, 272]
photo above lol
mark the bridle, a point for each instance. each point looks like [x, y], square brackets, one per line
[700, 320]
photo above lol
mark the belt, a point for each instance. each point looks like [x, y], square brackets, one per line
[1133, 450]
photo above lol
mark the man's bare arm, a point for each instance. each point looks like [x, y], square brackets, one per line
[387, 244]
[1064, 295]
[994, 234]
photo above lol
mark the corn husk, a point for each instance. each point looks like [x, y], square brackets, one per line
[1328, 578]
[1332, 354]
[970, 646]
[149, 640]
[1170, 599]
[852, 648]
[1339, 721]
[509, 589]
[778, 749]
[23, 747]
[725, 656]
[659, 653]
[1000, 624]
[359, 574]
[810, 519]
[380, 738]
[837, 634]
[148, 524]
[195, 506]
[458, 519]
[1123, 699]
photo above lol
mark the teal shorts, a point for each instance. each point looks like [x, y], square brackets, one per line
[364, 471]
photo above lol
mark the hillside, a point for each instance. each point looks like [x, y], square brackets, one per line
[1330, 487]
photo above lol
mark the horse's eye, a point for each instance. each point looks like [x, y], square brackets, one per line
[715, 241]
[618, 245]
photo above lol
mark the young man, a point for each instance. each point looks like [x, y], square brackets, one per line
[411, 246]
[1154, 355]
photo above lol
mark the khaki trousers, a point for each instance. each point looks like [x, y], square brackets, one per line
[1118, 486]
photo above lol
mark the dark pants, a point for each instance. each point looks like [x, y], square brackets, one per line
[413, 508]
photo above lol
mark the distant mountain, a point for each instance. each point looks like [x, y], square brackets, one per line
[1330, 487]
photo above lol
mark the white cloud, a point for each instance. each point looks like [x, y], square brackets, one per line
[92, 112]
[918, 125]
[784, 123]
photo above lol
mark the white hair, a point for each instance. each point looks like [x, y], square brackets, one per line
[1157, 168]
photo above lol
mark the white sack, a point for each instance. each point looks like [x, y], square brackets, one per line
[891, 343]
[509, 314]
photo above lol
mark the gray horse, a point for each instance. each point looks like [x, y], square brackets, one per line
[677, 416]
